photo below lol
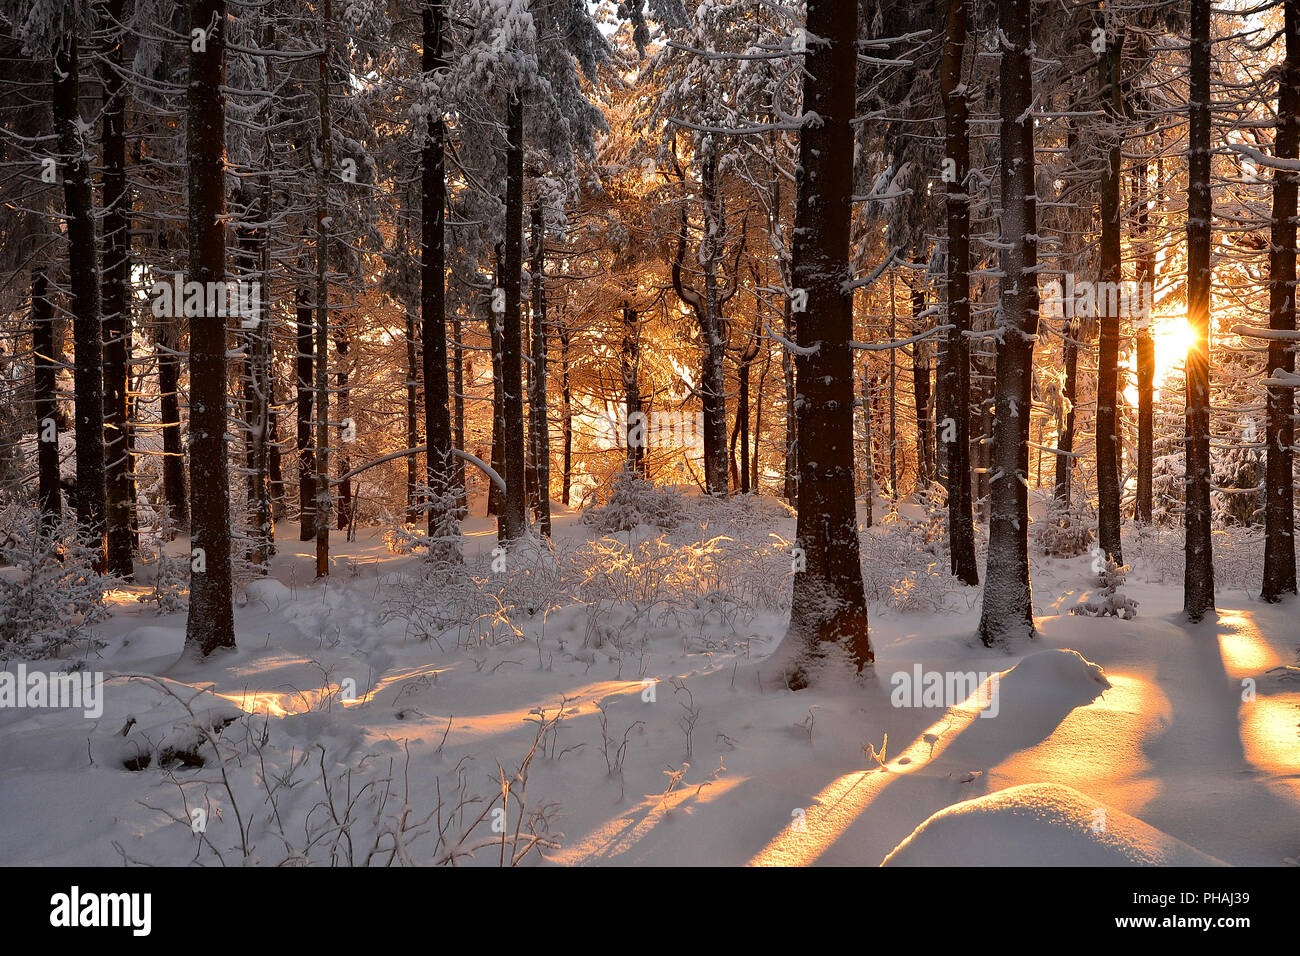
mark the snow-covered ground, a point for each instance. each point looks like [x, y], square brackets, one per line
[373, 717]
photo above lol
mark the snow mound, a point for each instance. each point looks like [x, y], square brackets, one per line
[152, 648]
[1065, 667]
[269, 593]
[1041, 824]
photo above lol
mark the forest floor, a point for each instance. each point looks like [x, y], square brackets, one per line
[371, 717]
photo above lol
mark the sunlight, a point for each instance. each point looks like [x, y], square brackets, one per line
[844, 800]
[1173, 338]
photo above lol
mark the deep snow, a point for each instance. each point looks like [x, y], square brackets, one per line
[1145, 725]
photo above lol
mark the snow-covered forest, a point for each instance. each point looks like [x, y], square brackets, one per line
[533, 432]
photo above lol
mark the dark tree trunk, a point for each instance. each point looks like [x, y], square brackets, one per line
[412, 421]
[495, 497]
[342, 345]
[512, 522]
[324, 496]
[921, 393]
[1279, 510]
[541, 443]
[88, 374]
[1065, 444]
[706, 307]
[439, 461]
[828, 613]
[566, 398]
[1146, 352]
[274, 463]
[211, 618]
[790, 485]
[954, 429]
[458, 417]
[1008, 609]
[742, 422]
[1107, 425]
[636, 429]
[169, 400]
[252, 266]
[45, 383]
[117, 302]
[1198, 569]
[305, 361]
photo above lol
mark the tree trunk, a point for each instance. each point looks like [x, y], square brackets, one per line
[537, 399]
[1146, 353]
[512, 523]
[893, 394]
[305, 361]
[566, 410]
[954, 429]
[412, 422]
[921, 392]
[458, 415]
[342, 345]
[1198, 569]
[1065, 443]
[117, 301]
[88, 374]
[1008, 609]
[828, 613]
[636, 429]
[45, 351]
[1107, 424]
[443, 528]
[173, 467]
[790, 485]
[1279, 510]
[496, 325]
[211, 618]
[326, 160]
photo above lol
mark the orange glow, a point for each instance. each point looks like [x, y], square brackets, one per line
[838, 805]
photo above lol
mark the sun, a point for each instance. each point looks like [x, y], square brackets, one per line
[1173, 339]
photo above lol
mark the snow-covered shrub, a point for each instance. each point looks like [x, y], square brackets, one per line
[1238, 484]
[1064, 533]
[1107, 601]
[50, 593]
[905, 563]
[401, 540]
[633, 502]
[171, 576]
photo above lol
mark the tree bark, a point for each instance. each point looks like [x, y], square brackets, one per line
[828, 613]
[512, 522]
[211, 618]
[537, 400]
[83, 274]
[412, 422]
[326, 159]
[117, 301]
[1279, 509]
[444, 531]
[304, 362]
[1198, 568]
[954, 429]
[1107, 422]
[1008, 610]
[45, 351]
